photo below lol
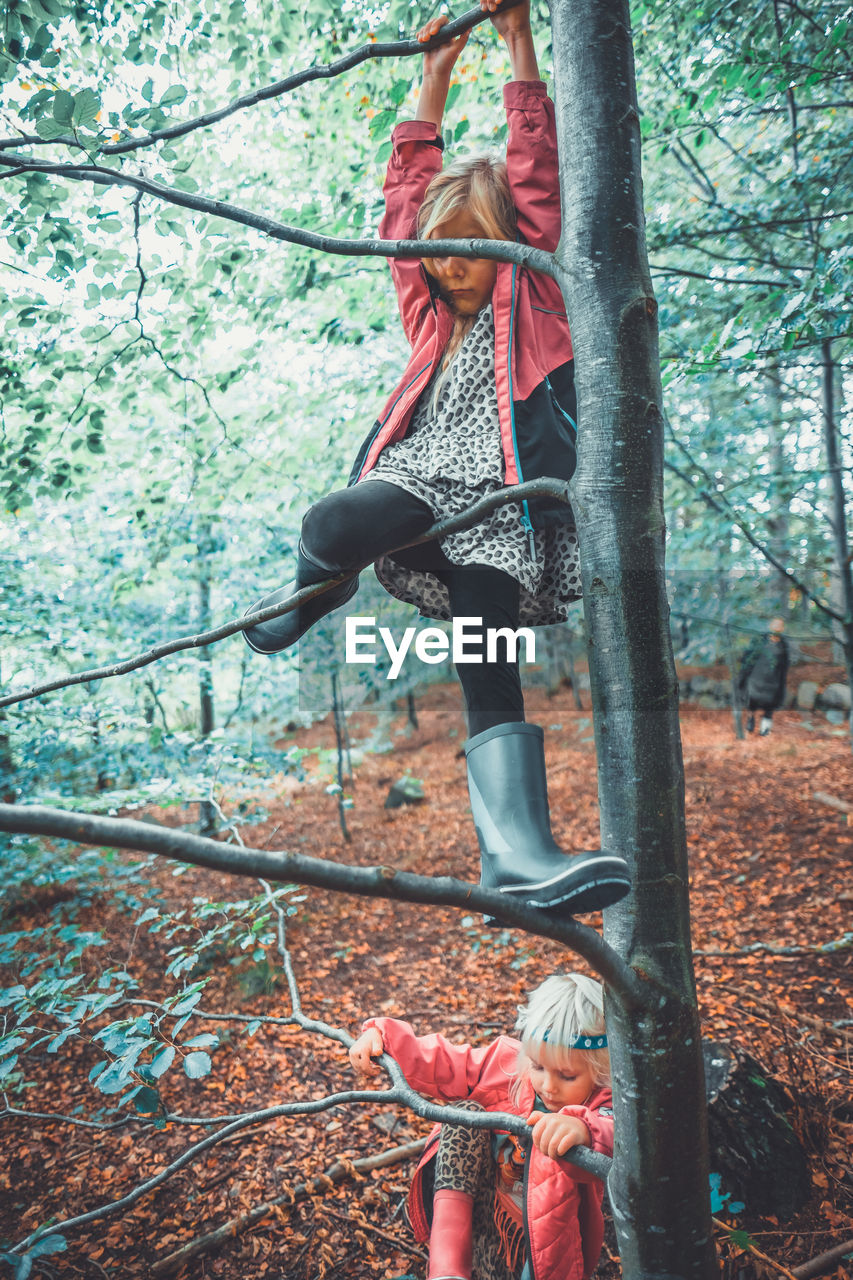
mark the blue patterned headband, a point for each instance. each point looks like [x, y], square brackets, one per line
[582, 1042]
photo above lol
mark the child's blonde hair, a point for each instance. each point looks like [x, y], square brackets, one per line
[560, 1012]
[477, 185]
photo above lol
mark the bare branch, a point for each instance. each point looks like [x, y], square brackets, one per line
[664, 270]
[545, 487]
[523, 255]
[364, 53]
[724, 509]
[57, 1118]
[283, 867]
[844, 943]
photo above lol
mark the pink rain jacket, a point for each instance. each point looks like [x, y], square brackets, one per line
[564, 1227]
[534, 370]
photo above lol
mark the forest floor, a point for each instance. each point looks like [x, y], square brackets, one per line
[770, 864]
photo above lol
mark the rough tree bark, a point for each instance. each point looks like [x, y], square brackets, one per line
[659, 1183]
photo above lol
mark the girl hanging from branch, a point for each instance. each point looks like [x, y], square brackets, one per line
[486, 400]
[489, 1208]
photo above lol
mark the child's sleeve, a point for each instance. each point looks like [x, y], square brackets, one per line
[415, 160]
[531, 161]
[431, 1064]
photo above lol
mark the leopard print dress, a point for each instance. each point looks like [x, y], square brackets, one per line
[450, 458]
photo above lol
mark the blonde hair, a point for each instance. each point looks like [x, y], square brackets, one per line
[563, 1008]
[477, 185]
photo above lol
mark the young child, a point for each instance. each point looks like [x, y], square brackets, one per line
[486, 400]
[489, 1210]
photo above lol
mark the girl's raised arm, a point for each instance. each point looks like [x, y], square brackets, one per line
[438, 68]
[513, 27]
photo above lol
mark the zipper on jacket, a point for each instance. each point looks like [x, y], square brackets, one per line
[402, 393]
[559, 407]
[526, 522]
[381, 424]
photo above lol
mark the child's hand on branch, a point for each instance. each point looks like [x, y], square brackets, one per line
[439, 63]
[554, 1134]
[368, 1046]
[513, 22]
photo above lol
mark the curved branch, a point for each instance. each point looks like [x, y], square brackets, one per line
[544, 488]
[593, 1162]
[57, 1118]
[374, 882]
[523, 255]
[365, 52]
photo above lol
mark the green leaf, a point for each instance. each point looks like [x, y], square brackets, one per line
[741, 1238]
[86, 107]
[197, 1065]
[147, 1101]
[174, 95]
[382, 123]
[48, 128]
[164, 1059]
[204, 1041]
[452, 94]
[63, 107]
[184, 1005]
[47, 1244]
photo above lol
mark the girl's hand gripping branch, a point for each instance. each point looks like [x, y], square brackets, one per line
[513, 26]
[555, 1134]
[368, 1046]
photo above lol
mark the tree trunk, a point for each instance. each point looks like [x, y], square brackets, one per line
[659, 1186]
[207, 711]
[842, 570]
[779, 521]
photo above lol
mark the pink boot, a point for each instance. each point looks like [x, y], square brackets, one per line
[450, 1240]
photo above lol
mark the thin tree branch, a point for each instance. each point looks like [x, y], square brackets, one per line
[523, 255]
[725, 510]
[665, 270]
[283, 867]
[843, 943]
[546, 487]
[365, 52]
[824, 1262]
[738, 228]
[56, 1118]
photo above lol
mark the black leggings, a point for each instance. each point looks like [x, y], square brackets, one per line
[361, 523]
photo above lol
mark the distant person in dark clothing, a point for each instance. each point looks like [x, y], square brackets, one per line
[763, 676]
